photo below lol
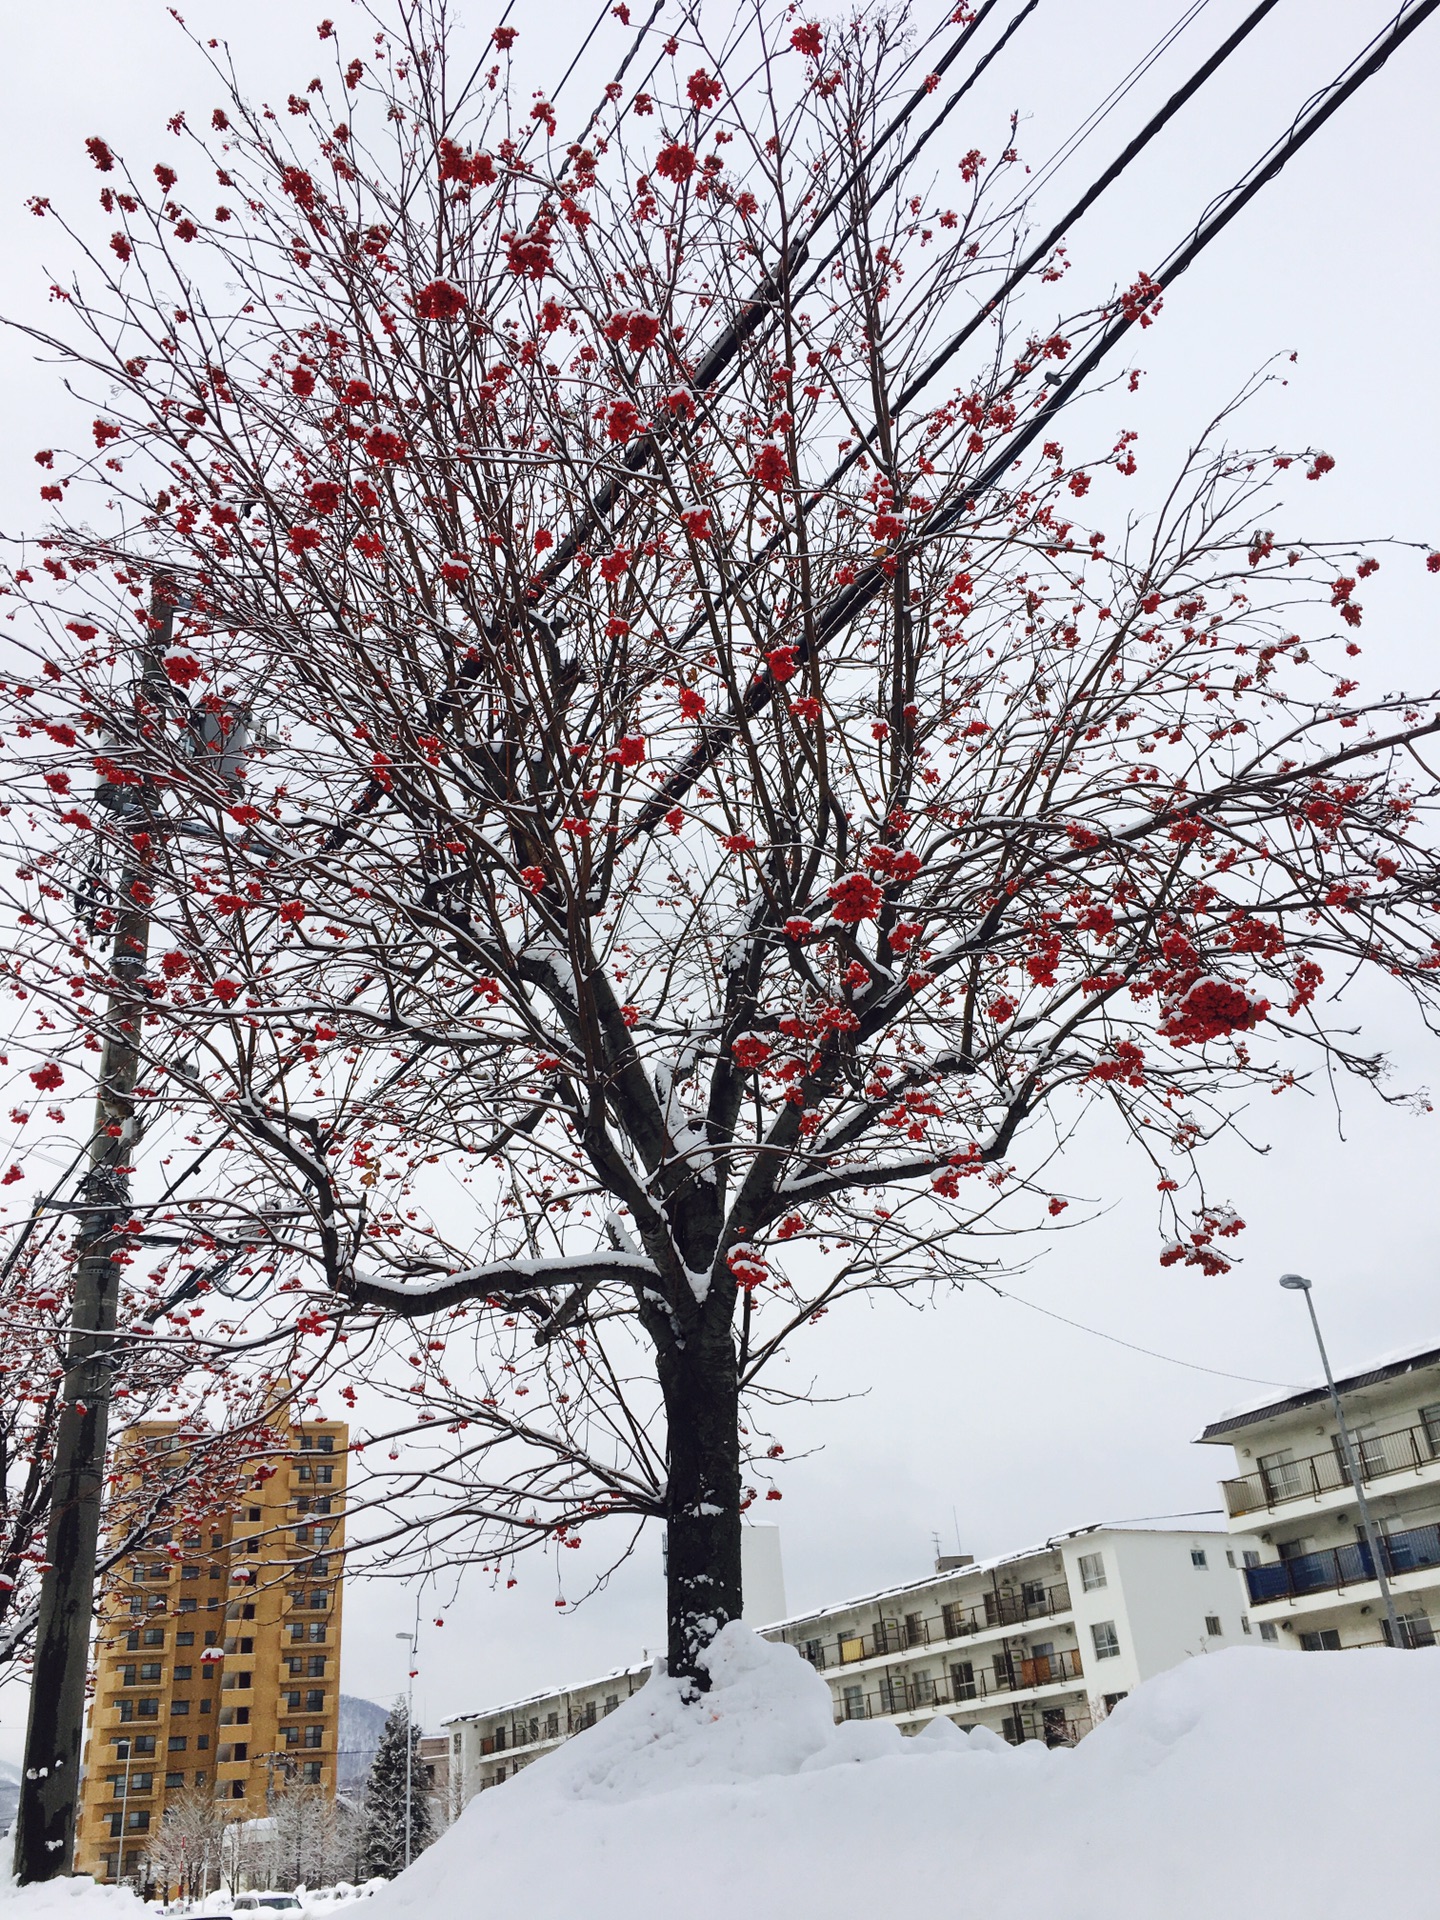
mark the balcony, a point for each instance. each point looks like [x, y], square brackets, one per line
[1407, 1450]
[1347, 1566]
[961, 1686]
[1032, 1601]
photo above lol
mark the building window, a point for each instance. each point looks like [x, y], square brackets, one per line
[314, 1736]
[853, 1703]
[612, 1701]
[1112, 1700]
[814, 1652]
[894, 1694]
[1092, 1571]
[552, 1726]
[1430, 1421]
[1032, 1592]
[1198, 1558]
[962, 1680]
[178, 1707]
[176, 1743]
[310, 1772]
[1415, 1630]
[1213, 1626]
[1250, 1557]
[1107, 1641]
[1327, 1640]
[174, 1781]
[952, 1619]
[1245, 1623]
[187, 1603]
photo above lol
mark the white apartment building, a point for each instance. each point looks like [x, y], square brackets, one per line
[1036, 1646]
[1314, 1587]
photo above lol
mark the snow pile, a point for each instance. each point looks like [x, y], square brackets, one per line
[1243, 1781]
[80, 1898]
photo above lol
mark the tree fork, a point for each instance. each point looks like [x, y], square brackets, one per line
[49, 1789]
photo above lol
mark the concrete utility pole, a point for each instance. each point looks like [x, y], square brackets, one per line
[410, 1639]
[49, 1789]
[1297, 1283]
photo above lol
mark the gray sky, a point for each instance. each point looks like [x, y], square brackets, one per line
[985, 1415]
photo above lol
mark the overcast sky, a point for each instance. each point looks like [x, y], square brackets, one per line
[984, 1420]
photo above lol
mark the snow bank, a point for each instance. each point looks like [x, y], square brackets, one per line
[1249, 1780]
[80, 1898]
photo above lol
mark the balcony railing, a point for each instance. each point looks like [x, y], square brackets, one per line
[1406, 1450]
[1009, 1608]
[1346, 1566]
[961, 1685]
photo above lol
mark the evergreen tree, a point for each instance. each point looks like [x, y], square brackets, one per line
[384, 1815]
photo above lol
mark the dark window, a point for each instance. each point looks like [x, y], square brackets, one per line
[187, 1603]
[315, 1666]
[314, 1700]
[177, 1743]
[184, 1639]
[314, 1736]
[174, 1781]
[310, 1772]
[202, 1741]
[154, 1636]
[1327, 1640]
[184, 1673]
[962, 1680]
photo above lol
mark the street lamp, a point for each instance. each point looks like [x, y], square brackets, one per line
[124, 1807]
[409, 1734]
[1297, 1283]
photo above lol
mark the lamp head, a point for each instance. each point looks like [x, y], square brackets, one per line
[1295, 1282]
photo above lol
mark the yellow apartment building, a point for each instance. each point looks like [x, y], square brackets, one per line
[217, 1660]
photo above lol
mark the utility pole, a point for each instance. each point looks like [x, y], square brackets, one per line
[410, 1639]
[49, 1789]
[1297, 1283]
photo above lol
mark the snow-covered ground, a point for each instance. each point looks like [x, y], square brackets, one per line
[1241, 1782]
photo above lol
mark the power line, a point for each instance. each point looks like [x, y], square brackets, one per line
[1194, 1366]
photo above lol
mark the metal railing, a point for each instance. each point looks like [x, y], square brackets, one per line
[961, 1685]
[1346, 1566]
[1406, 1450]
[1004, 1608]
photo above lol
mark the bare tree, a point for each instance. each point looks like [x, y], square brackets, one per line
[664, 817]
[184, 1856]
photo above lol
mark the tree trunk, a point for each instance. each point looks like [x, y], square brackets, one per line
[49, 1790]
[702, 1562]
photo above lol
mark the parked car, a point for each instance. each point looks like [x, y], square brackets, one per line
[265, 1903]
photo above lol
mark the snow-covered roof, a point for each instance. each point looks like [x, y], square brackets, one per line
[1388, 1366]
[547, 1693]
[991, 1565]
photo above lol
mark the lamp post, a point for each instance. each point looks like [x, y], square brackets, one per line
[410, 1639]
[1297, 1283]
[124, 1808]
